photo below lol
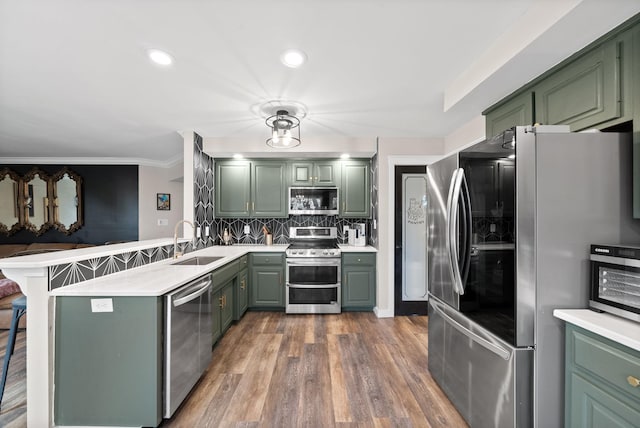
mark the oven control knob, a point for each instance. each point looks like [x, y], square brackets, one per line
[325, 252]
[331, 252]
[312, 252]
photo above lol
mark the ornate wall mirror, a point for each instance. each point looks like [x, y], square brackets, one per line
[10, 218]
[67, 202]
[35, 208]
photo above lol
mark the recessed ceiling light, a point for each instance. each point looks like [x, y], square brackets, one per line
[293, 58]
[160, 57]
[238, 156]
[345, 156]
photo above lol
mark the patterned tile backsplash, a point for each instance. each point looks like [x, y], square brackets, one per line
[72, 273]
[279, 227]
[492, 229]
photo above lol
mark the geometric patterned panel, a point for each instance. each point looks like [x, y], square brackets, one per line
[203, 178]
[279, 227]
[373, 236]
[82, 270]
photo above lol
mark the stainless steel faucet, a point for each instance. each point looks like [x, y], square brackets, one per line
[177, 253]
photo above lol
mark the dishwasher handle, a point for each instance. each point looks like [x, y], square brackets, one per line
[188, 298]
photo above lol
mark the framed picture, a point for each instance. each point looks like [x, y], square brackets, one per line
[164, 201]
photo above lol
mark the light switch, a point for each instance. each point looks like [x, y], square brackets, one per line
[101, 305]
[247, 229]
[198, 232]
[206, 231]
[163, 222]
[492, 228]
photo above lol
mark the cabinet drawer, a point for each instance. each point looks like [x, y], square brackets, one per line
[613, 363]
[243, 262]
[267, 259]
[224, 274]
[359, 259]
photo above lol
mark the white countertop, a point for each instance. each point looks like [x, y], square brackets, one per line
[68, 256]
[353, 249]
[621, 330]
[156, 279]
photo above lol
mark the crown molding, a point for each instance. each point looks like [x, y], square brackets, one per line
[169, 163]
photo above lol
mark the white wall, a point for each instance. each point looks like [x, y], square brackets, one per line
[395, 151]
[471, 132]
[153, 180]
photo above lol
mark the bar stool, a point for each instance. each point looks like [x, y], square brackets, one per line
[19, 306]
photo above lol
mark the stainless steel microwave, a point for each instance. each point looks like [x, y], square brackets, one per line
[615, 280]
[313, 200]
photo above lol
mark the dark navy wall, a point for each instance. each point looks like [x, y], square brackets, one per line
[110, 205]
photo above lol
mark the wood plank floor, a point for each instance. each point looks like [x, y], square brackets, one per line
[277, 370]
[347, 370]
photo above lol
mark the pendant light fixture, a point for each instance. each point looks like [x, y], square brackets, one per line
[283, 127]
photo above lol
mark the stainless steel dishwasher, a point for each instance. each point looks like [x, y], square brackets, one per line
[188, 340]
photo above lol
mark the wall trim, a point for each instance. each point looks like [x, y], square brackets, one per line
[383, 313]
[392, 162]
[169, 163]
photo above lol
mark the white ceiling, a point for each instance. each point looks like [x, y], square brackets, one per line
[75, 81]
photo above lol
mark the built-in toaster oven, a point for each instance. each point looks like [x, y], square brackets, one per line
[313, 200]
[615, 280]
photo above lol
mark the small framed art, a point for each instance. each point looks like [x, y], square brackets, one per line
[163, 201]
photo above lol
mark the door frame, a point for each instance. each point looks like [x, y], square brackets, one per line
[393, 161]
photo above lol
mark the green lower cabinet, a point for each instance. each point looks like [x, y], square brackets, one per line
[223, 308]
[599, 381]
[358, 281]
[242, 294]
[267, 281]
[108, 365]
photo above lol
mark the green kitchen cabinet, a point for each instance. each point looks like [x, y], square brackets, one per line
[584, 92]
[601, 381]
[267, 286]
[268, 189]
[250, 189]
[224, 282]
[233, 189]
[355, 189]
[358, 281]
[242, 294]
[317, 173]
[108, 365]
[514, 112]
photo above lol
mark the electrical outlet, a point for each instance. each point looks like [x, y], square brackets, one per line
[163, 222]
[206, 231]
[247, 229]
[198, 232]
[492, 228]
[101, 305]
[375, 223]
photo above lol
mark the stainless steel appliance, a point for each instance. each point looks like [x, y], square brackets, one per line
[313, 200]
[510, 224]
[615, 280]
[313, 271]
[188, 340]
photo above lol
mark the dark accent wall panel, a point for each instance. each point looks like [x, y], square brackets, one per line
[203, 178]
[110, 205]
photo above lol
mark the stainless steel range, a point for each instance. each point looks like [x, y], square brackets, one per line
[313, 271]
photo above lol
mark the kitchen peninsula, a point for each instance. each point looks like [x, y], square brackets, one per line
[39, 275]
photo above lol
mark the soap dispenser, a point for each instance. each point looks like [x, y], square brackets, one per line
[226, 237]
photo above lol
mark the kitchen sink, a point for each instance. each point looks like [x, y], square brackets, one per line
[198, 260]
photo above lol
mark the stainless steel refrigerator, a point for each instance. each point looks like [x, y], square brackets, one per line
[510, 224]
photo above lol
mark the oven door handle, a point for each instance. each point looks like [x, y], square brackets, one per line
[329, 261]
[313, 285]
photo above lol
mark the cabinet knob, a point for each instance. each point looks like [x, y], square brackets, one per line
[359, 260]
[221, 300]
[633, 381]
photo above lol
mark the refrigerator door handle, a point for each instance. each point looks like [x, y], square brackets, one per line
[466, 201]
[452, 239]
[487, 344]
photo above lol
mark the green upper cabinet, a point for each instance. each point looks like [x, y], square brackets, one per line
[250, 189]
[583, 93]
[318, 173]
[355, 189]
[514, 112]
[233, 189]
[268, 189]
